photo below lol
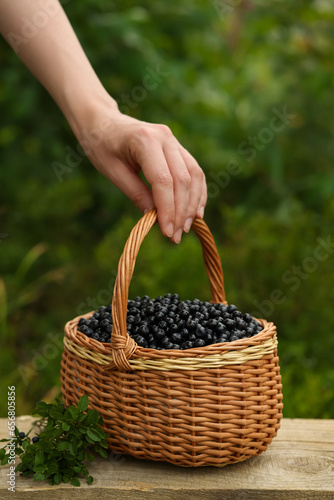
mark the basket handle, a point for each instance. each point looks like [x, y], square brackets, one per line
[123, 346]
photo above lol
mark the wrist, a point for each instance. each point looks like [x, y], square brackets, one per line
[82, 109]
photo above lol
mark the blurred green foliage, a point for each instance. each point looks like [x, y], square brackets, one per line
[229, 70]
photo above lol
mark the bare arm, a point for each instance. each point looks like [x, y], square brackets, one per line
[121, 145]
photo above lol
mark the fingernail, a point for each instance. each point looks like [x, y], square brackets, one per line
[201, 212]
[146, 210]
[178, 236]
[187, 225]
[170, 230]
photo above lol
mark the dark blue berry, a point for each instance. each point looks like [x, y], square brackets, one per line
[230, 323]
[190, 323]
[199, 343]
[220, 329]
[107, 329]
[160, 334]
[247, 317]
[200, 332]
[86, 331]
[93, 324]
[212, 323]
[169, 345]
[35, 439]
[241, 324]
[144, 330]
[176, 338]
[185, 332]
[104, 323]
[22, 435]
[139, 340]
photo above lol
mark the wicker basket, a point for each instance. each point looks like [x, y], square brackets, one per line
[213, 405]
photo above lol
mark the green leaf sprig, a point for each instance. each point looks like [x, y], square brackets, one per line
[68, 437]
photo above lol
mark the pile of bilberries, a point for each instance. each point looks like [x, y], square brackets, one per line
[169, 323]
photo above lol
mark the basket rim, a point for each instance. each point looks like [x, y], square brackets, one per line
[72, 333]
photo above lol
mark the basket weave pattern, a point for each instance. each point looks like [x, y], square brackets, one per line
[214, 405]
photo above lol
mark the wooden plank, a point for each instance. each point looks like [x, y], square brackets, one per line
[298, 465]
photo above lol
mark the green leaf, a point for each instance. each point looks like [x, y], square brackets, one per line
[62, 446]
[56, 415]
[100, 431]
[57, 478]
[103, 453]
[83, 403]
[89, 480]
[52, 467]
[5, 459]
[73, 411]
[39, 476]
[81, 456]
[75, 481]
[39, 468]
[2, 453]
[39, 457]
[72, 449]
[65, 426]
[92, 417]
[25, 445]
[93, 434]
[42, 409]
[66, 478]
[90, 441]
[58, 432]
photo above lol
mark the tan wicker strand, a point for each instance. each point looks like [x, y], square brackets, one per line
[211, 406]
[186, 363]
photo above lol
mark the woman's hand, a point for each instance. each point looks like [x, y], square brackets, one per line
[120, 147]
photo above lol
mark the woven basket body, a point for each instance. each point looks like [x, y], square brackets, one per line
[215, 405]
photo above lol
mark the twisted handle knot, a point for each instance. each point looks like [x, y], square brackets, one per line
[122, 350]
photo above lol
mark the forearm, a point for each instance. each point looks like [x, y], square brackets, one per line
[41, 34]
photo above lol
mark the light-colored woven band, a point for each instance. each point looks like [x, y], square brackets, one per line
[211, 361]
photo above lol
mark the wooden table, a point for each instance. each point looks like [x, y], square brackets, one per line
[299, 464]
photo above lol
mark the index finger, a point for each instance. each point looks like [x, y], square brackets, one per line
[155, 169]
